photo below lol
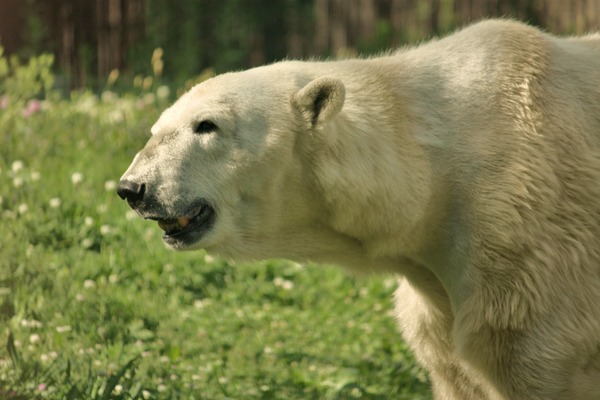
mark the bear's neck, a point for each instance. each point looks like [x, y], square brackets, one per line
[382, 189]
[378, 176]
[376, 179]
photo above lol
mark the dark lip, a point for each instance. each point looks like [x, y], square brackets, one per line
[201, 219]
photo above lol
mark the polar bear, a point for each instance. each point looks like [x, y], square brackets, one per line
[469, 166]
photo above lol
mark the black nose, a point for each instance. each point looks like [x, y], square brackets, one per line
[131, 191]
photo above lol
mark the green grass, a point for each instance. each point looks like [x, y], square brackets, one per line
[92, 306]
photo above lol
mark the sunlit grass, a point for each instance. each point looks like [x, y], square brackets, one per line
[92, 306]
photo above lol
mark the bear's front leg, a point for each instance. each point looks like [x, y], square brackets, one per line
[428, 331]
[533, 364]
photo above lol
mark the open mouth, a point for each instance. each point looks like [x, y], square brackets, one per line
[188, 228]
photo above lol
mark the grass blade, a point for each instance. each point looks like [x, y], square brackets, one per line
[114, 380]
[12, 350]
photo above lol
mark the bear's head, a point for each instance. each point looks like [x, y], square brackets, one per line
[226, 168]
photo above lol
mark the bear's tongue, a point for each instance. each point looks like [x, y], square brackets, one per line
[170, 225]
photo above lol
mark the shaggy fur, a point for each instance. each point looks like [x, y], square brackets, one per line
[468, 165]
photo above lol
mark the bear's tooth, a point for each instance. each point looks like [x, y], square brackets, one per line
[183, 221]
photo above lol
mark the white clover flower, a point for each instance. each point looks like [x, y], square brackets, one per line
[23, 208]
[163, 92]
[130, 215]
[54, 202]
[390, 283]
[283, 283]
[87, 105]
[44, 358]
[35, 338]
[89, 284]
[108, 96]
[115, 117]
[149, 99]
[150, 233]
[109, 186]
[63, 329]
[35, 176]
[18, 182]
[298, 265]
[17, 165]
[162, 388]
[77, 178]
[118, 390]
[200, 304]
[113, 278]
[87, 243]
[146, 394]
[88, 221]
[105, 230]
[31, 323]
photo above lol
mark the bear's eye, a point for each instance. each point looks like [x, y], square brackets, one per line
[205, 126]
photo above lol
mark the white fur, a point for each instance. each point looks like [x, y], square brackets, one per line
[469, 165]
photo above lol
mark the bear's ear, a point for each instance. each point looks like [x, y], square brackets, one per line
[320, 100]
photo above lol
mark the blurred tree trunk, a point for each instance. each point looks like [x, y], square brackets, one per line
[119, 25]
[93, 37]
